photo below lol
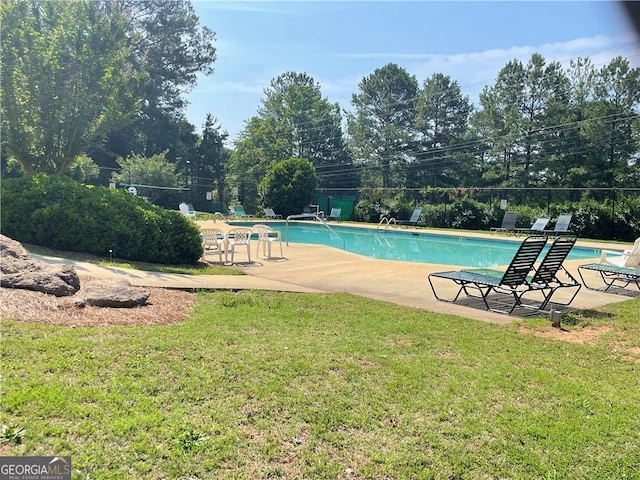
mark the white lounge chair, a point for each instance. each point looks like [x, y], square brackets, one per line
[187, 210]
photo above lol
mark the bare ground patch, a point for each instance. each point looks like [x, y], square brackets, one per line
[164, 306]
[583, 335]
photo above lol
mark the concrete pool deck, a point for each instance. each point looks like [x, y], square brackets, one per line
[307, 268]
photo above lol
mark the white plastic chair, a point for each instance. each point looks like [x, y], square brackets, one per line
[213, 240]
[240, 236]
[627, 259]
[266, 236]
[187, 210]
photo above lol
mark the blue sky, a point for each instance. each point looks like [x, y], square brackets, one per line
[338, 43]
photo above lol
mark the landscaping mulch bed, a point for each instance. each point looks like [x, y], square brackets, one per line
[164, 306]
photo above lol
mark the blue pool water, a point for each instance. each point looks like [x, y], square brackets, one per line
[412, 247]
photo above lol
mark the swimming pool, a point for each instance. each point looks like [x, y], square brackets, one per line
[410, 246]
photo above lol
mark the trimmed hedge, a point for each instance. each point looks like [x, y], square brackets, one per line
[60, 213]
[591, 219]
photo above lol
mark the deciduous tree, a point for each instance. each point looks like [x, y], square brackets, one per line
[67, 80]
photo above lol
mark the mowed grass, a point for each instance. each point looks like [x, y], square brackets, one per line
[272, 385]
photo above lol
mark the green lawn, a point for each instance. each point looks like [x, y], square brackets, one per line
[272, 385]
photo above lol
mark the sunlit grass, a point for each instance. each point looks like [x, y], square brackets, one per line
[275, 385]
[201, 268]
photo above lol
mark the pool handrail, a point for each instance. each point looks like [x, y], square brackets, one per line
[386, 221]
[309, 216]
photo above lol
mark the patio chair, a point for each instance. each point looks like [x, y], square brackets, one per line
[335, 214]
[237, 211]
[487, 280]
[629, 258]
[616, 269]
[267, 236]
[562, 224]
[213, 239]
[269, 213]
[239, 237]
[413, 220]
[611, 276]
[508, 223]
[187, 210]
[538, 226]
[551, 275]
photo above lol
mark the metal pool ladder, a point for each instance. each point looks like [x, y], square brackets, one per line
[385, 222]
[309, 216]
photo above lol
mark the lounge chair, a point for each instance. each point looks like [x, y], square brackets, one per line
[335, 214]
[616, 269]
[485, 280]
[239, 237]
[508, 223]
[237, 211]
[213, 239]
[187, 210]
[562, 224]
[267, 236]
[611, 276]
[538, 226]
[413, 220]
[551, 275]
[270, 214]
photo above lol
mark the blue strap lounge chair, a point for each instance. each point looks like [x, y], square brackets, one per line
[611, 276]
[551, 275]
[484, 281]
[616, 269]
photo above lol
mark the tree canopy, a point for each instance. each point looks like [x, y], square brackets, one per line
[97, 81]
[295, 120]
[68, 80]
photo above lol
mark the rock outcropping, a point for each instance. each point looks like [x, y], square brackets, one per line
[18, 269]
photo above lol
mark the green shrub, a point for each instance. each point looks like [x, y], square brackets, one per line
[469, 214]
[376, 204]
[591, 218]
[289, 185]
[59, 213]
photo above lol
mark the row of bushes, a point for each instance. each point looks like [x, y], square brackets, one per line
[60, 213]
[591, 219]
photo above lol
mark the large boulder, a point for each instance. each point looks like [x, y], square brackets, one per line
[19, 270]
[111, 294]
